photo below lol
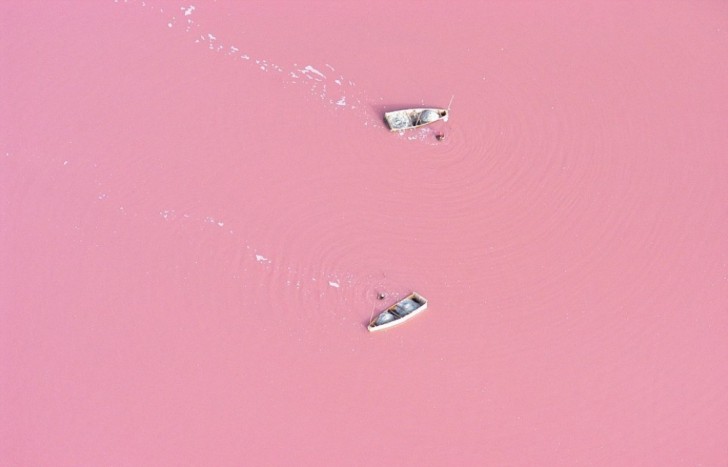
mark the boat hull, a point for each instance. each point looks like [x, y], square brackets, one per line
[400, 312]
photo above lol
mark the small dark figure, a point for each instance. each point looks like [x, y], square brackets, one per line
[380, 296]
[440, 136]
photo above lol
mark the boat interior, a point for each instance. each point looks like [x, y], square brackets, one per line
[400, 309]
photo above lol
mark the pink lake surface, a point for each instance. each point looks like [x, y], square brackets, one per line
[199, 203]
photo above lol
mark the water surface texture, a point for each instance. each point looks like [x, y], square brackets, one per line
[200, 204]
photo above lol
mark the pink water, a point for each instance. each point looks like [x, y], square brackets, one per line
[199, 206]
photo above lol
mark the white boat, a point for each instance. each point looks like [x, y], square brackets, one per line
[405, 309]
[414, 118]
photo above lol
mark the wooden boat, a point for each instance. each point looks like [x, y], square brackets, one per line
[414, 118]
[405, 309]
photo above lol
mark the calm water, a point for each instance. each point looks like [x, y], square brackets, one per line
[199, 204]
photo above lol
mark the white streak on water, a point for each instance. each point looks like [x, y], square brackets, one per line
[212, 220]
[309, 68]
[343, 100]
